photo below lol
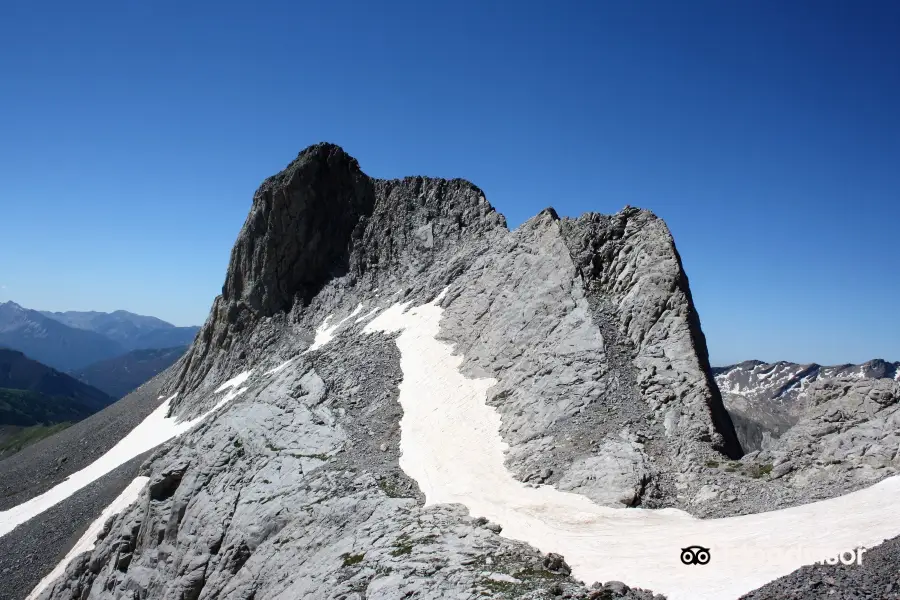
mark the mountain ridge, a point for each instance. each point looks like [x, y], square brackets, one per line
[120, 375]
[600, 301]
[404, 398]
[75, 339]
[767, 399]
[36, 400]
[51, 342]
[132, 331]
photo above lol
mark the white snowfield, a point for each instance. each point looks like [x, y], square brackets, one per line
[450, 444]
[87, 541]
[156, 429]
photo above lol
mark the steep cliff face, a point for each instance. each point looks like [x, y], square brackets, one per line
[634, 272]
[584, 329]
[299, 233]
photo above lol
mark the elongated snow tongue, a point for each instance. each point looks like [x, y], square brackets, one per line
[593, 387]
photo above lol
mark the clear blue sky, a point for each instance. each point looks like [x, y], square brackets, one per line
[766, 133]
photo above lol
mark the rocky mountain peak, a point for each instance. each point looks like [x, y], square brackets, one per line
[322, 219]
[323, 232]
[9, 307]
[298, 231]
[395, 390]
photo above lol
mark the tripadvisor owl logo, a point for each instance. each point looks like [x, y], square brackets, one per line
[695, 555]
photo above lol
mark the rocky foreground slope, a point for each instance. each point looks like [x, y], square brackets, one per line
[294, 489]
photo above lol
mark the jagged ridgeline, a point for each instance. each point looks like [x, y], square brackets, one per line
[322, 232]
[581, 334]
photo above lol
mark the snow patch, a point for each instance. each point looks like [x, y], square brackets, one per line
[235, 381]
[450, 444]
[325, 332]
[87, 541]
[279, 367]
[157, 428]
[368, 315]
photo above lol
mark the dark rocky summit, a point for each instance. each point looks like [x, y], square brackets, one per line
[294, 489]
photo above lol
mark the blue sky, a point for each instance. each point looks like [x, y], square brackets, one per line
[766, 133]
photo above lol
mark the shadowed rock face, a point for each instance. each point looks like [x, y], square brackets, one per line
[294, 489]
[299, 231]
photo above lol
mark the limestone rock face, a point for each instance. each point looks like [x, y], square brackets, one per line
[298, 232]
[320, 221]
[848, 436]
[294, 489]
[616, 475]
[634, 272]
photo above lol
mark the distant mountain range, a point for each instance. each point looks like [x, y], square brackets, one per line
[120, 375]
[36, 401]
[133, 332]
[73, 340]
[766, 399]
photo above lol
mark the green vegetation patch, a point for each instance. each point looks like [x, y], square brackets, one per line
[27, 436]
[390, 487]
[756, 471]
[533, 573]
[499, 586]
[316, 456]
[352, 559]
[23, 408]
[402, 545]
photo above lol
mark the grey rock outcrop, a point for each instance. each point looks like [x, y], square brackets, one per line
[844, 435]
[631, 265]
[323, 221]
[847, 438]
